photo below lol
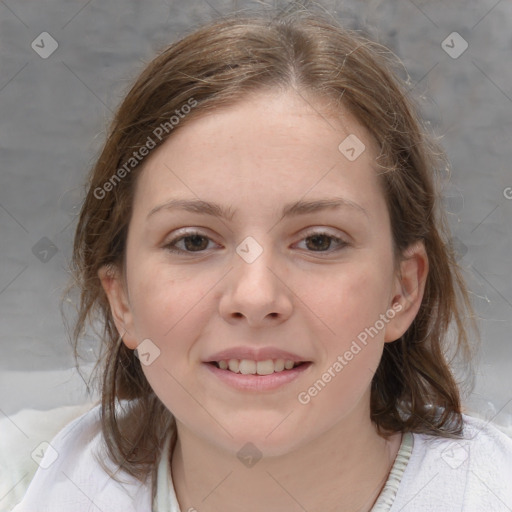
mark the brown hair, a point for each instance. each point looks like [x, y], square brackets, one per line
[217, 65]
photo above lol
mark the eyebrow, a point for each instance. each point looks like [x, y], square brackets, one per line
[289, 210]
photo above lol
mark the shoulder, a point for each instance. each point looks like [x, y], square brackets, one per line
[22, 437]
[470, 473]
[71, 477]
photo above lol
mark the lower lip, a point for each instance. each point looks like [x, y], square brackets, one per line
[258, 382]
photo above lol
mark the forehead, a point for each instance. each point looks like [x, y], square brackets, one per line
[269, 147]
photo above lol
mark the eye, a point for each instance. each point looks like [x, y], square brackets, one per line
[321, 241]
[196, 242]
[192, 242]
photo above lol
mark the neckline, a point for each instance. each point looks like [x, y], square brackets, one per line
[388, 494]
[167, 501]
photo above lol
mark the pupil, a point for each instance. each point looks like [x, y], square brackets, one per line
[196, 244]
[325, 238]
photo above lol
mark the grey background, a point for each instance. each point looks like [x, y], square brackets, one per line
[53, 115]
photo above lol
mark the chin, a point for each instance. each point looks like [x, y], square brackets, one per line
[257, 439]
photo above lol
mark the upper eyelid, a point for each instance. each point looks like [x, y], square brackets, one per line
[202, 232]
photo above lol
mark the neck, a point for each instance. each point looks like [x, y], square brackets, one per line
[343, 469]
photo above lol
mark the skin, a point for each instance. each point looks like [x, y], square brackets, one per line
[254, 157]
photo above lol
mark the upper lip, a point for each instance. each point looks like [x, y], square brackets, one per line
[254, 354]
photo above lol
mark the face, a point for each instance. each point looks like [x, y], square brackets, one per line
[271, 279]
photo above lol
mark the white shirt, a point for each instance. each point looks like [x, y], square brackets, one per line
[473, 474]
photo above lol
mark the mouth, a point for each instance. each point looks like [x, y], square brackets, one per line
[260, 368]
[251, 376]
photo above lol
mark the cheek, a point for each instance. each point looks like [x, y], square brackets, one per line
[353, 344]
[165, 304]
[352, 309]
[172, 313]
[353, 299]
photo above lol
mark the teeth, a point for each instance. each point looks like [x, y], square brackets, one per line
[248, 367]
[233, 365]
[279, 365]
[265, 367]
[288, 364]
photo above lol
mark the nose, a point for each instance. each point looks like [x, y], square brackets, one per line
[257, 291]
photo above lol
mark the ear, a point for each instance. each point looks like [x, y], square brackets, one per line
[112, 281]
[409, 288]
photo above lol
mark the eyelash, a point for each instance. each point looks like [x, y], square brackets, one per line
[171, 245]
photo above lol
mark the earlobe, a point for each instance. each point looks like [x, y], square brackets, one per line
[409, 290]
[114, 287]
